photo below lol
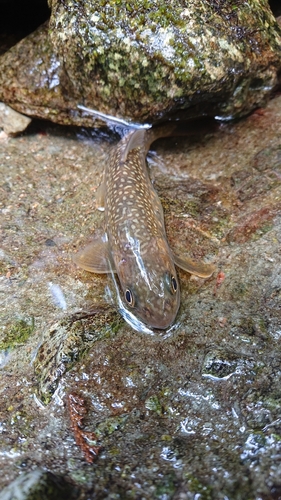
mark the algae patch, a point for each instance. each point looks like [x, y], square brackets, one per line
[18, 334]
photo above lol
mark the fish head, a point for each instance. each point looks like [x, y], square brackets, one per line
[150, 286]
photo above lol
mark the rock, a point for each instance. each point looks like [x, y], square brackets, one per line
[192, 413]
[38, 485]
[144, 61]
[11, 121]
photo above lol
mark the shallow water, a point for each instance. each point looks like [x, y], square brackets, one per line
[190, 413]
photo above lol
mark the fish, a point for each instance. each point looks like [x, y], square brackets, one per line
[133, 243]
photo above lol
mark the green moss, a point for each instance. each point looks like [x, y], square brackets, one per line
[276, 437]
[248, 326]
[262, 325]
[263, 229]
[220, 223]
[272, 402]
[167, 487]
[19, 333]
[195, 486]
[190, 207]
[110, 425]
[23, 423]
[239, 290]
[153, 404]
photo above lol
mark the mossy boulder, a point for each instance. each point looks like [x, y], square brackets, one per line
[145, 60]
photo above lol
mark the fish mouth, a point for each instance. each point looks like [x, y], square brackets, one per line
[145, 320]
[159, 320]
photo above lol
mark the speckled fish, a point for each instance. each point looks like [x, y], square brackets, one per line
[134, 244]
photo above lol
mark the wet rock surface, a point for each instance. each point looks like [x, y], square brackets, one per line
[144, 60]
[194, 411]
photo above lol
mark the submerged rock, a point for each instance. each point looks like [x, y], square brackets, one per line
[66, 341]
[38, 485]
[145, 60]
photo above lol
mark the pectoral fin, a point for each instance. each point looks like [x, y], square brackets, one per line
[95, 257]
[200, 269]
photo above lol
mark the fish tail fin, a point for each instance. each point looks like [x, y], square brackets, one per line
[136, 139]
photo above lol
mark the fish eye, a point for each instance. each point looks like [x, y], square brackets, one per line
[171, 283]
[174, 284]
[129, 297]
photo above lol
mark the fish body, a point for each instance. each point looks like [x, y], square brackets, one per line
[137, 238]
[134, 244]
